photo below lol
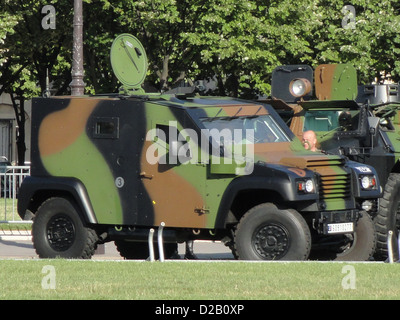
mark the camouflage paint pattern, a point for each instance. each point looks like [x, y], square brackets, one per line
[335, 82]
[176, 191]
[66, 150]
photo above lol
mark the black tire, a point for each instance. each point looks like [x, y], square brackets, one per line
[363, 243]
[388, 217]
[58, 231]
[140, 250]
[357, 246]
[266, 232]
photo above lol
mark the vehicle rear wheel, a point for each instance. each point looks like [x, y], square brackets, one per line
[58, 231]
[388, 218]
[266, 232]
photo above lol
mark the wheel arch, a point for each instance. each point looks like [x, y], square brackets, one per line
[243, 194]
[35, 190]
[396, 167]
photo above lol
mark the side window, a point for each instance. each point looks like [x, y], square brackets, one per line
[105, 128]
[330, 120]
[163, 132]
[174, 143]
[321, 121]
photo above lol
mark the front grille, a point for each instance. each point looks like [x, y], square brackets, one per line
[324, 162]
[335, 186]
[332, 185]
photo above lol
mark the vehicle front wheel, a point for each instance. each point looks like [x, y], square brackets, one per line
[58, 231]
[266, 232]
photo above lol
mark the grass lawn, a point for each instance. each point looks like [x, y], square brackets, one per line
[8, 212]
[77, 279]
[6, 206]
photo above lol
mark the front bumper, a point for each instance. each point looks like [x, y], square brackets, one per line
[336, 222]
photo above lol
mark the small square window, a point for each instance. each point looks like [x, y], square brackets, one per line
[106, 128]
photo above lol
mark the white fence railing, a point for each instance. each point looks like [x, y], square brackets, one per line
[10, 180]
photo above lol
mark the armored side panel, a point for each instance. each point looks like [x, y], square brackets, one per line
[98, 142]
[176, 191]
[119, 150]
[335, 82]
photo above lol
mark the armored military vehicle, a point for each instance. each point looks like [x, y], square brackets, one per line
[360, 122]
[113, 167]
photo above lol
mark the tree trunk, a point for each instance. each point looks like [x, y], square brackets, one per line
[19, 110]
[164, 74]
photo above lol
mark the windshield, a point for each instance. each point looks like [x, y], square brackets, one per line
[327, 120]
[245, 130]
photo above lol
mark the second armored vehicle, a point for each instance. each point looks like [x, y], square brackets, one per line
[359, 122]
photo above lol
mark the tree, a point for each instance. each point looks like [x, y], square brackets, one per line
[27, 51]
[369, 40]
[159, 25]
[102, 23]
[232, 45]
[238, 43]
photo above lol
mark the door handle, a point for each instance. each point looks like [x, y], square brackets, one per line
[144, 175]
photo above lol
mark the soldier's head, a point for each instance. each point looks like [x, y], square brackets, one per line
[309, 140]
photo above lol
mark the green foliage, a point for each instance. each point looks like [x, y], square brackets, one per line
[7, 22]
[372, 46]
[236, 43]
[28, 50]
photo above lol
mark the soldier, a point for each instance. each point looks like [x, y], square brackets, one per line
[345, 121]
[310, 140]
[189, 254]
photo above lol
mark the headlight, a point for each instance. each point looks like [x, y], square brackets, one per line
[299, 87]
[368, 182]
[305, 186]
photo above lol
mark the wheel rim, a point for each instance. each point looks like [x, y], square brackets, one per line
[60, 232]
[271, 242]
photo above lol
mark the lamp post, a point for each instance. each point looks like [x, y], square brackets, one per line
[77, 85]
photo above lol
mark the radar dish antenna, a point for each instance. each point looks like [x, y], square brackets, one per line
[129, 63]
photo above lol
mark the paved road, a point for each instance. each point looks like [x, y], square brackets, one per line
[20, 247]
